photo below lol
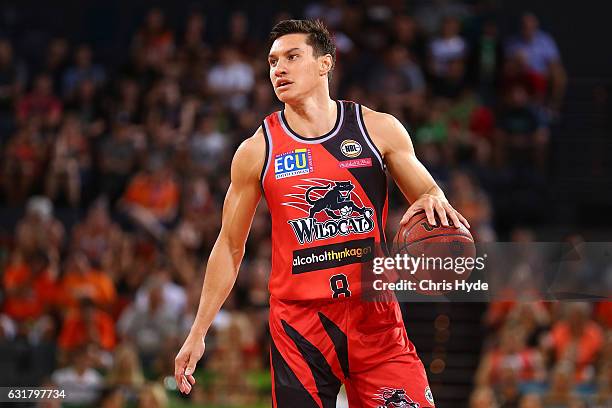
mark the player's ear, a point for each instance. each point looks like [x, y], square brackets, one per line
[325, 64]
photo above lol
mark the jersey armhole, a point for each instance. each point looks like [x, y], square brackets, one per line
[268, 157]
[368, 139]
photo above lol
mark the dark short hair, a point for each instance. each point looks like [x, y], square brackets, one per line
[318, 37]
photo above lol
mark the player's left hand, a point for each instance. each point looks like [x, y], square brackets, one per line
[432, 205]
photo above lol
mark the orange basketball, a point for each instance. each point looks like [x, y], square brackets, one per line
[439, 248]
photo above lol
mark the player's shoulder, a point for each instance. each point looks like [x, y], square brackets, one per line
[377, 119]
[253, 146]
[250, 155]
[383, 128]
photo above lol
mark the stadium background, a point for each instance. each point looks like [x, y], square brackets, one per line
[117, 124]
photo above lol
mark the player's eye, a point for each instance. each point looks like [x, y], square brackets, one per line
[292, 57]
[272, 62]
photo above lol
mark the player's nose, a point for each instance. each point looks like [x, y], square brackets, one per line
[280, 69]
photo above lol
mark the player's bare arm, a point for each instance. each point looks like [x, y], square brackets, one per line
[223, 264]
[413, 179]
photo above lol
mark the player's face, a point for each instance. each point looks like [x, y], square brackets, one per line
[294, 70]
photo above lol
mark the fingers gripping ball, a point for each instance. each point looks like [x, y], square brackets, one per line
[445, 254]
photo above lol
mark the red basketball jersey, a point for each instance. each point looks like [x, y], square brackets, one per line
[328, 202]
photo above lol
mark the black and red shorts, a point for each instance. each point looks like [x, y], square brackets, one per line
[319, 345]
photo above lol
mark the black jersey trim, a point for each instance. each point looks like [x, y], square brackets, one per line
[268, 158]
[366, 136]
[318, 139]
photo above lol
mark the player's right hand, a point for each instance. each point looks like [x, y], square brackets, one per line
[185, 362]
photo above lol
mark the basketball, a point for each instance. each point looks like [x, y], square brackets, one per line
[444, 251]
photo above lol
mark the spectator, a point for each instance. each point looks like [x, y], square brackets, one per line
[561, 389]
[577, 340]
[117, 159]
[238, 36]
[56, 61]
[70, 167]
[82, 384]
[533, 318]
[24, 160]
[152, 396]
[41, 106]
[516, 73]
[168, 107]
[208, 146]
[30, 287]
[155, 40]
[483, 398]
[448, 47]
[97, 236]
[231, 78]
[173, 296]
[39, 230]
[510, 354]
[126, 372]
[509, 388]
[83, 70]
[149, 326]
[87, 325]
[82, 281]
[521, 134]
[452, 82]
[87, 106]
[486, 61]
[236, 353]
[152, 197]
[407, 34]
[539, 51]
[398, 81]
[194, 47]
[128, 108]
[435, 129]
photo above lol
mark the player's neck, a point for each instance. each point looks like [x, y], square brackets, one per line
[313, 116]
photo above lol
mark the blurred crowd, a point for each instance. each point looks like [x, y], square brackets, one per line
[121, 169]
[546, 355]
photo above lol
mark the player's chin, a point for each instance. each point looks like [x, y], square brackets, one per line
[285, 96]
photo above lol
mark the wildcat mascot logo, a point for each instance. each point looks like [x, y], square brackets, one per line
[394, 398]
[331, 209]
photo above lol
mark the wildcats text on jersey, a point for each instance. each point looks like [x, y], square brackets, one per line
[294, 163]
[334, 200]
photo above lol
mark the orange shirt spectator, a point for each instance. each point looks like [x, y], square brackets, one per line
[582, 348]
[30, 289]
[156, 192]
[85, 326]
[84, 282]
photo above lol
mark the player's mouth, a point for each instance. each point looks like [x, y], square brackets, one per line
[283, 84]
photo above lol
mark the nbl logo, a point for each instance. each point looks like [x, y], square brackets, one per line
[350, 148]
[334, 201]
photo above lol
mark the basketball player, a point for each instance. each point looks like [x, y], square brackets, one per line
[320, 164]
